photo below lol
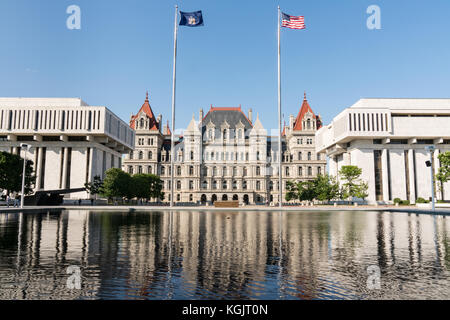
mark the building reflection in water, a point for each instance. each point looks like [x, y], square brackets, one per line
[224, 255]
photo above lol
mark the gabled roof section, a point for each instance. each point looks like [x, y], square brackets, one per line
[147, 109]
[192, 127]
[213, 109]
[303, 111]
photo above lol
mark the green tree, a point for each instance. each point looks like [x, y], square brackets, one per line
[443, 174]
[11, 168]
[326, 187]
[353, 187]
[361, 190]
[94, 187]
[300, 190]
[117, 184]
[147, 186]
[156, 186]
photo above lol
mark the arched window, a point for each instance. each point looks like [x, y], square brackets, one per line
[309, 155]
[178, 184]
[141, 155]
[234, 184]
[244, 184]
[214, 186]
[131, 155]
[191, 170]
[309, 171]
[191, 185]
[139, 169]
[179, 170]
[244, 171]
[178, 197]
[258, 171]
[308, 124]
[205, 184]
[258, 185]
[257, 155]
[224, 171]
[191, 197]
[141, 125]
[300, 171]
[150, 155]
[149, 169]
[192, 155]
[214, 171]
[299, 156]
[224, 134]
[224, 184]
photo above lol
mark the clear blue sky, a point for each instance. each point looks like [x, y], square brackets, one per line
[125, 48]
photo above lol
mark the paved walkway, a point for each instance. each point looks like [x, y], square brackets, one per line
[410, 209]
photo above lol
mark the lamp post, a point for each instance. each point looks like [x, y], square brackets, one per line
[28, 147]
[429, 163]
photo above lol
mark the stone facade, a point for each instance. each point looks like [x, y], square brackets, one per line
[225, 155]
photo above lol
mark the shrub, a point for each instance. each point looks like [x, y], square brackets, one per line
[422, 200]
[397, 200]
[404, 203]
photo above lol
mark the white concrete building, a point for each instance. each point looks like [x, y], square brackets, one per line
[387, 139]
[71, 141]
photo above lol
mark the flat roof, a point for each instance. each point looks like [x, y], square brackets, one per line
[42, 102]
[402, 103]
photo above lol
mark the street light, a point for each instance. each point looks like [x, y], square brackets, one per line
[429, 163]
[28, 147]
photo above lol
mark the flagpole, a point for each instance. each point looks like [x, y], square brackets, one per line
[172, 134]
[280, 182]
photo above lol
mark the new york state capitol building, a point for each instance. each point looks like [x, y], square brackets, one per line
[225, 155]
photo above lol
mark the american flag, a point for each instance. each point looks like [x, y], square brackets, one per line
[293, 22]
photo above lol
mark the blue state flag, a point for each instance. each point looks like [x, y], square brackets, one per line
[191, 19]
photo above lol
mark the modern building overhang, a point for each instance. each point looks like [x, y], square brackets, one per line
[63, 120]
[387, 119]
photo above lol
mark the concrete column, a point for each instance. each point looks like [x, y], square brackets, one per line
[39, 168]
[411, 176]
[64, 171]
[91, 160]
[385, 175]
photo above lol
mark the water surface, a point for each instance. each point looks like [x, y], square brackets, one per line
[224, 255]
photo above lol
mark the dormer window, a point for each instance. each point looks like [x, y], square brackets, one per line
[308, 124]
[224, 134]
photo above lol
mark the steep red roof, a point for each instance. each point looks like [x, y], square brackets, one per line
[301, 114]
[284, 129]
[148, 111]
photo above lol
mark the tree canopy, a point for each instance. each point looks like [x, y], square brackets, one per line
[11, 168]
[123, 185]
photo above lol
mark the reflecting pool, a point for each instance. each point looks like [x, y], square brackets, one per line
[224, 255]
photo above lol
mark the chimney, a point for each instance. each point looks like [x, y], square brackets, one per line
[201, 115]
[291, 121]
[250, 114]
